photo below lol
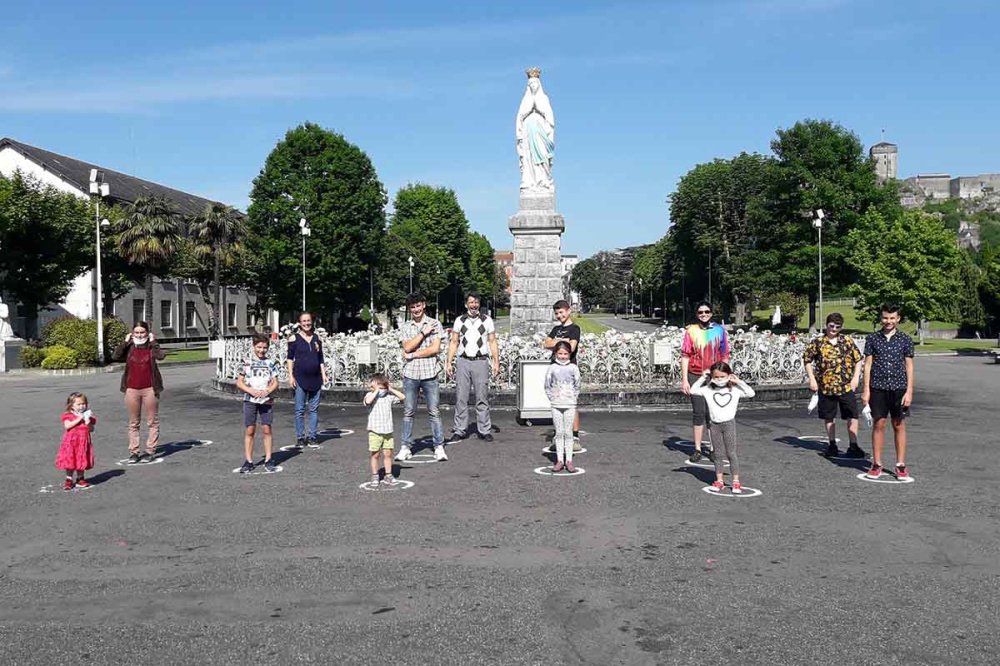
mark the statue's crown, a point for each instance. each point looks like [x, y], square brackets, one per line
[533, 72]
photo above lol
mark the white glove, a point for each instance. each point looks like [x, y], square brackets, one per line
[813, 401]
[867, 413]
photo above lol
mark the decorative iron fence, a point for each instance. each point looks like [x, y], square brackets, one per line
[608, 360]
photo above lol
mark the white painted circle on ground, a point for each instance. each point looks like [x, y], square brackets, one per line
[421, 458]
[885, 478]
[259, 469]
[689, 442]
[335, 432]
[822, 439]
[296, 447]
[47, 489]
[549, 449]
[707, 464]
[547, 471]
[126, 463]
[399, 485]
[747, 492]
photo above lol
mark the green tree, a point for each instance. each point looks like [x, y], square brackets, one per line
[820, 165]
[405, 239]
[147, 238]
[318, 175]
[482, 267]
[46, 240]
[989, 285]
[910, 259]
[971, 313]
[586, 280]
[217, 240]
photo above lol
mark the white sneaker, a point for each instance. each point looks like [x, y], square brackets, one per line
[404, 453]
[439, 453]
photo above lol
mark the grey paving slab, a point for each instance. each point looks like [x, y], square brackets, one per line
[485, 562]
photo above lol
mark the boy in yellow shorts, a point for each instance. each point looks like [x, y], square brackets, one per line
[379, 401]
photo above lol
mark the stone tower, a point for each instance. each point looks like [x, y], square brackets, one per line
[886, 157]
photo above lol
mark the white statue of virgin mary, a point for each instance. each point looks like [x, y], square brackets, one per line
[535, 132]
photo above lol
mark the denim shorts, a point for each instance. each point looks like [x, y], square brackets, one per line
[251, 410]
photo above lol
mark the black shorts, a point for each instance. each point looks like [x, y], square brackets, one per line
[252, 410]
[888, 402]
[848, 403]
[699, 406]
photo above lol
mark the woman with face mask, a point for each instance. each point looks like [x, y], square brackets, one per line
[722, 391]
[141, 384]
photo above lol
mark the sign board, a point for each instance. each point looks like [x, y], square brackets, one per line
[217, 349]
[661, 352]
[366, 353]
[532, 403]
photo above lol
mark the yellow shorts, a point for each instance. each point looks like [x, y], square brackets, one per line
[377, 442]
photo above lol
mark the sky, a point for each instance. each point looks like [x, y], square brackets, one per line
[195, 94]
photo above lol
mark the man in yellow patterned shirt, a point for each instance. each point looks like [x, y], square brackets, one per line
[835, 378]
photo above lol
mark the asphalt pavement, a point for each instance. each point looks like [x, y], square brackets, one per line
[485, 561]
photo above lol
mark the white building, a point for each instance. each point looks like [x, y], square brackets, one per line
[181, 313]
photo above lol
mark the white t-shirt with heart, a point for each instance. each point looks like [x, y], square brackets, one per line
[722, 402]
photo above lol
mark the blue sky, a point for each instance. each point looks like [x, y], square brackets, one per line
[196, 94]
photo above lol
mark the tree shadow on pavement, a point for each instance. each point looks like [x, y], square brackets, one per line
[105, 476]
[281, 457]
[170, 448]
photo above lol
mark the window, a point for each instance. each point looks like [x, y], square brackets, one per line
[249, 317]
[138, 309]
[166, 314]
[231, 315]
[190, 316]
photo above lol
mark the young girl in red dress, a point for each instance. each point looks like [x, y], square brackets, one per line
[77, 451]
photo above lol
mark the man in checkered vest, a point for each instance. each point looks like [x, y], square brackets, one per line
[474, 343]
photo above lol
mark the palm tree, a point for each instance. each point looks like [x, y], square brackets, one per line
[147, 239]
[217, 232]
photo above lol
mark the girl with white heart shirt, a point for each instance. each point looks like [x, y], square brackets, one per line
[722, 391]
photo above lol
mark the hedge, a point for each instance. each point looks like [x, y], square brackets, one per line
[32, 357]
[80, 335]
[60, 357]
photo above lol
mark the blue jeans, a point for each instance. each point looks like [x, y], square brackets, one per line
[431, 390]
[305, 399]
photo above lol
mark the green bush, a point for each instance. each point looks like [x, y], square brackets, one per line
[60, 357]
[115, 331]
[80, 335]
[32, 357]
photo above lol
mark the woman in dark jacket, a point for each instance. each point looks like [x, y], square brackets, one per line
[141, 384]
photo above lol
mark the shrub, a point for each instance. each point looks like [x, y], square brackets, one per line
[31, 356]
[115, 331]
[80, 335]
[60, 357]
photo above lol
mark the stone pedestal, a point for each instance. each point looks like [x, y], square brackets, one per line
[536, 281]
[10, 354]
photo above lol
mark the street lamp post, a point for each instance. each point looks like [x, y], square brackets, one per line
[818, 223]
[411, 274]
[640, 297]
[101, 189]
[304, 231]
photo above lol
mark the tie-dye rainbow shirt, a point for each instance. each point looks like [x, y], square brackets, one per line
[704, 346]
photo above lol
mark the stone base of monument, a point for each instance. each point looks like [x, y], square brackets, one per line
[10, 354]
[537, 274]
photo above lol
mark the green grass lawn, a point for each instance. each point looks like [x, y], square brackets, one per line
[192, 354]
[588, 325]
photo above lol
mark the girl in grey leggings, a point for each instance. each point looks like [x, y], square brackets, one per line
[722, 391]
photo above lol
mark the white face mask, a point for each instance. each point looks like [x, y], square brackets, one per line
[140, 341]
[720, 383]
[562, 361]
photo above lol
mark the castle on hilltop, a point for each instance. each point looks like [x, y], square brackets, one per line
[918, 190]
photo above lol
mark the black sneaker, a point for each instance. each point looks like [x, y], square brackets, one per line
[247, 467]
[457, 436]
[855, 451]
[269, 466]
[695, 457]
[488, 437]
[831, 450]
[710, 454]
[300, 443]
[134, 458]
[147, 458]
[312, 443]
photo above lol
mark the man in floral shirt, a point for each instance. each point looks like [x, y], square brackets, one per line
[835, 379]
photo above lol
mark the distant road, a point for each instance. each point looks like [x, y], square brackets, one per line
[627, 325]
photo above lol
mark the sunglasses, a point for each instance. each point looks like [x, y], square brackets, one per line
[834, 326]
[704, 312]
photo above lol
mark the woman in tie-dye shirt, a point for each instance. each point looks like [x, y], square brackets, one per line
[704, 345]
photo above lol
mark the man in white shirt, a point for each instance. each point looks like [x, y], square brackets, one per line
[474, 343]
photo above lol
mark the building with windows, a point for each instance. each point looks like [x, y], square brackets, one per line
[180, 310]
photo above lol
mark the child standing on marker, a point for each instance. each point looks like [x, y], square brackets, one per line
[722, 391]
[258, 379]
[562, 386]
[379, 401]
[76, 454]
